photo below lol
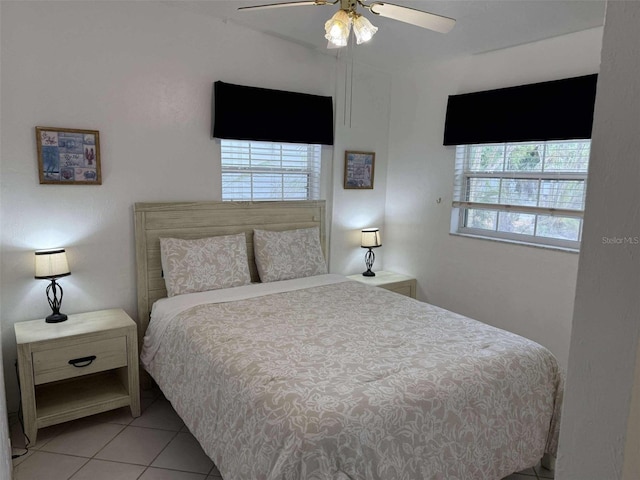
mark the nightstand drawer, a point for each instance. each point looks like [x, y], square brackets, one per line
[79, 359]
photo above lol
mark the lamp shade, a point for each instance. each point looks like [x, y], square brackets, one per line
[337, 28]
[363, 29]
[51, 263]
[370, 238]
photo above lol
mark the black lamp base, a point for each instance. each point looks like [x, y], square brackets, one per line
[369, 258]
[56, 318]
[55, 303]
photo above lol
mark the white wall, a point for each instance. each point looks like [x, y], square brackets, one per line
[362, 124]
[527, 290]
[606, 323]
[142, 74]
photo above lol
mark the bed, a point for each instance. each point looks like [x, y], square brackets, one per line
[321, 377]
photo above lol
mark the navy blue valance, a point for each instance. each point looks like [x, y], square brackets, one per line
[251, 113]
[555, 110]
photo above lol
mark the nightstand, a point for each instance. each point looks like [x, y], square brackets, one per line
[83, 366]
[391, 281]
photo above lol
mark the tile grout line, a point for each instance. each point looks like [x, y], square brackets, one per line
[146, 467]
[79, 468]
[163, 448]
[189, 431]
[93, 457]
[179, 431]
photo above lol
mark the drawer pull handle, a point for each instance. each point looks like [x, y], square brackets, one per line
[82, 362]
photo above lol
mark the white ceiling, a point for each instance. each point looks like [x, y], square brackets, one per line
[481, 26]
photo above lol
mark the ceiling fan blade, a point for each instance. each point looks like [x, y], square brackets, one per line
[286, 4]
[419, 18]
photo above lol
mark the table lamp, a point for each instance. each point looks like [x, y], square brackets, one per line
[50, 265]
[370, 239]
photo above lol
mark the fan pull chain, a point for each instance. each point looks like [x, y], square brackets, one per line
[348, 81]
[346, 77]
[351, 93]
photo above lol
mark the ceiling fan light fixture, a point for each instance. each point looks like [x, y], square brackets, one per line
[363, 29]
[337, 29]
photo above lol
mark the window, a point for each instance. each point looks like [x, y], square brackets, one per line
[531, 192]
[253, 170]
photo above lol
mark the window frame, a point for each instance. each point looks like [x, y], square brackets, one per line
[461, 205]
[313, 170]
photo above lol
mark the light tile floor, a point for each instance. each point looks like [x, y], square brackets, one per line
[115, 446]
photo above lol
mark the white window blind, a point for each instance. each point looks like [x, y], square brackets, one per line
[253, 170]
[531, 192]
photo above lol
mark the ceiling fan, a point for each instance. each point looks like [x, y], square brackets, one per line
[338, 27]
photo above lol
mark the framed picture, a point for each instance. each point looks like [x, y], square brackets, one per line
[68, 156]
[359, 168]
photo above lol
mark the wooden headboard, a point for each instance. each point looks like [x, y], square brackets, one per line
[208, 219]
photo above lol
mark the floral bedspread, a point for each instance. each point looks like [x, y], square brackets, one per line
[347, 381]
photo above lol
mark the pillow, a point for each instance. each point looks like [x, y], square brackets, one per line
[204, 264]
[288, 254]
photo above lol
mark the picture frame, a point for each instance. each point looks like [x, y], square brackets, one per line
[359, 169]
[68, 156]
